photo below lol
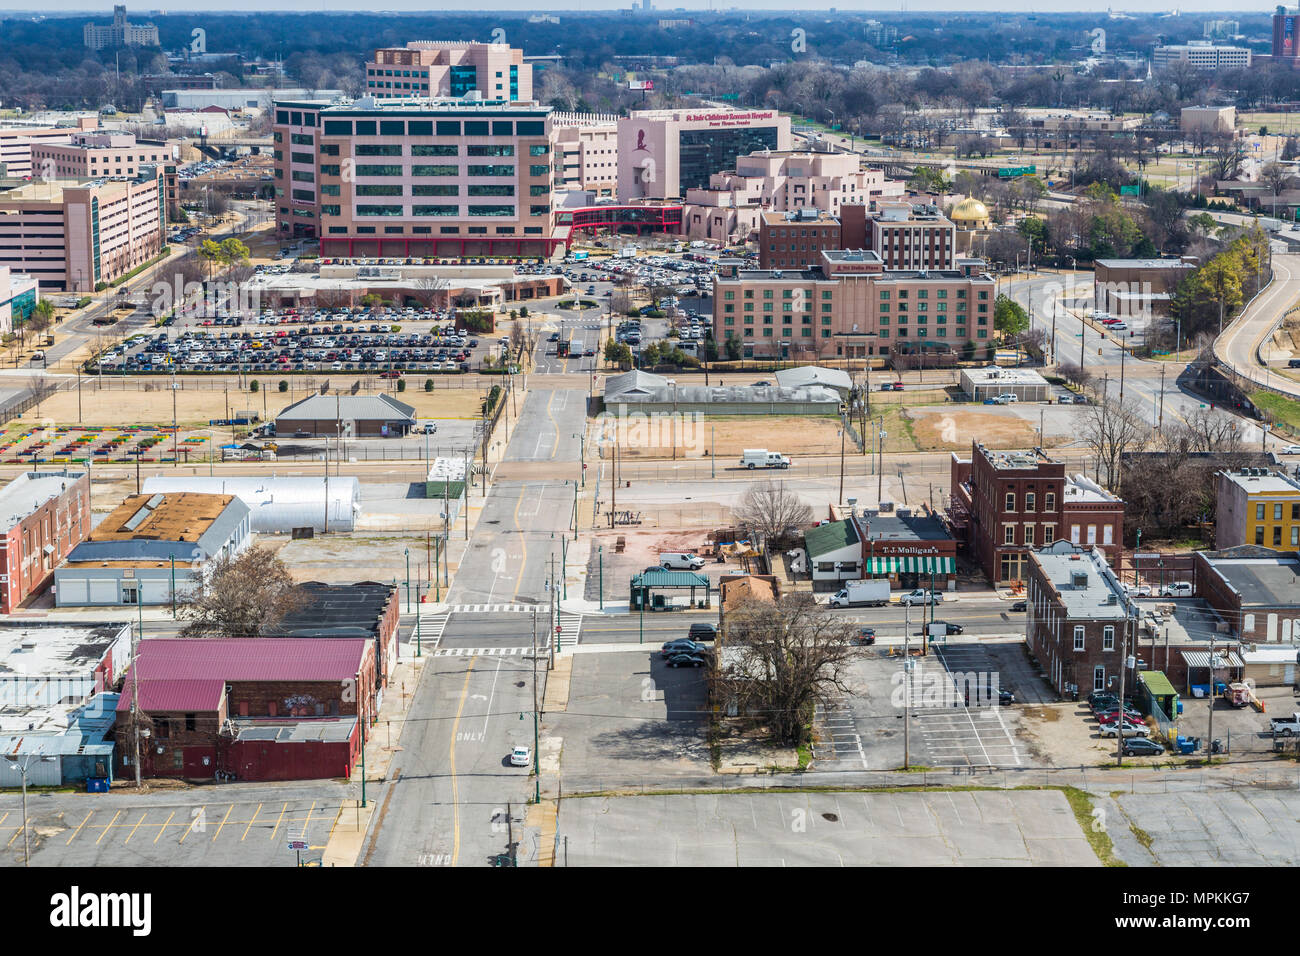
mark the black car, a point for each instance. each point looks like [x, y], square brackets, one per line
[702, 632]
[1006, 697]
[950, 628]
[1142, 747]
[865, 635]
[1020, 606]
[685, 660]
[681, 645]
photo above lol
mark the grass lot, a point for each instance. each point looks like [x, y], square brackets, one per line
[1285, 411]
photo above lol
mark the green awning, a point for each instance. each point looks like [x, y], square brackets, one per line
[912, 564]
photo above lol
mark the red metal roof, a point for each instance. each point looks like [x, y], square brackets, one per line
[191, 674]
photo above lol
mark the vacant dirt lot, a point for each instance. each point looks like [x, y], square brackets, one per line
[954, 430]
[149, 402]
[729, 436]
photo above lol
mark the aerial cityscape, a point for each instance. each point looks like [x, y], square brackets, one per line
[649, 437]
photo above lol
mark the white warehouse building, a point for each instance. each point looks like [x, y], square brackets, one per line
[279, 505]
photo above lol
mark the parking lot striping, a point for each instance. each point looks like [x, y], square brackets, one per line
[307, 820]
[163, 829]
[109, 827]
[78, 830]
[278, 820]
[194, 822]
[143, 814]
[250, 823]
[18, 828]
[229, 811]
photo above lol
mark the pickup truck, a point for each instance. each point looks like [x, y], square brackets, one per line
[1286, 726]
[921, 596]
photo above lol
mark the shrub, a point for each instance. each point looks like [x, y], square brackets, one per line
[428, 385]
[253, 386]
[401, 384]
[284, 386]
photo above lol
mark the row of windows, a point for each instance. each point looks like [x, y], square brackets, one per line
[413, 128]
[1277, 511]
[428, 230]
[1277, 535]
[424, 210]
[1031, 499]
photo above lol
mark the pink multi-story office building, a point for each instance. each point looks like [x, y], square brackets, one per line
[74, 234]
[450, 68]
[586, 152]
[16, 143]
[416, 178]
[850, 306]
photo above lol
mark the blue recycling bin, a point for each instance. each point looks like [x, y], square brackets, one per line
[97, 785]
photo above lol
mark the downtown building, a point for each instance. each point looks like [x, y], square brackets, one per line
[851, 306]
[664, 153]
[121, 32]
[440, 69]
[416, 177]
[79, 234]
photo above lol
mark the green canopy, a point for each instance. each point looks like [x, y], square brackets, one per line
[912, 564]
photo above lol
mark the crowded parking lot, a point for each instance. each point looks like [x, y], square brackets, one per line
[288, 341]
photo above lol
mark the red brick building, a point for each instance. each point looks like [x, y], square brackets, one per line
[43, 516]
[1005, 504]
[259, 708]
[1077, 620]
[795, 239]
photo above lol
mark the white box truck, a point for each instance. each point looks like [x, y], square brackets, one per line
[874, 593]
[762, 458]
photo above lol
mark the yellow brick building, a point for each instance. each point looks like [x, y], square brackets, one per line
[1256, 506]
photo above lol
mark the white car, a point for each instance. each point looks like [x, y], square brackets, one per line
[521, 757]
[1289, 450]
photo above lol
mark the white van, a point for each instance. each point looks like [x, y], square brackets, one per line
[1177, 589]
[680, 561]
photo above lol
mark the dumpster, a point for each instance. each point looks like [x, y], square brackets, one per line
[97, 785]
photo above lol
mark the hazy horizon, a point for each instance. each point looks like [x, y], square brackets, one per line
[144, 9]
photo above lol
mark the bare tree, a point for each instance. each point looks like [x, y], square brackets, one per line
[771, 509]
[243, 596]
[41, 387]
[430, 291]
[1074, 374]
[784, 656]
[1110, 429]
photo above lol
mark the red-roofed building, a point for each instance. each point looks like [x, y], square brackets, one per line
[258, 708]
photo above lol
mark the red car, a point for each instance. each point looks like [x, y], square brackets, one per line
[898, 386]
[390, 374]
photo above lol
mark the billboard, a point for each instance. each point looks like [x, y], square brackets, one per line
[642, 86]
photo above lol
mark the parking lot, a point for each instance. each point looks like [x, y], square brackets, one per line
[1018, 828]
[191, 830]
[287, 341]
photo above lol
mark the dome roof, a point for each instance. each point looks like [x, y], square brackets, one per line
[969, 209]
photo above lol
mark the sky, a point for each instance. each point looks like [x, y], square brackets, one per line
[142, 8]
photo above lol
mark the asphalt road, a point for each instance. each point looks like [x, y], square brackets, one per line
[1238, 346]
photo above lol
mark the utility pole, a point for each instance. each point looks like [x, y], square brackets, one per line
[135, 703]
[1119, 722]
[844, 427]
[1209, 753]
[537, 772]
[907, 697]
[880, 460]
[1123, 352]
[1160, 418]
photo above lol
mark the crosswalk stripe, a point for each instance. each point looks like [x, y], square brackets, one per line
[480, 651]
[570, 629]
[495, 608]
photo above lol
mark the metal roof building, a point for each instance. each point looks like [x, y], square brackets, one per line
[278, 505]
[655, 394]
[348, 416]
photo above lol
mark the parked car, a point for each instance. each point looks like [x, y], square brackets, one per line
[1289, 450]
[685, 660]
[1177, 589]
[1130, 730]
[681, 645]
[1142, 747]
[921, 596]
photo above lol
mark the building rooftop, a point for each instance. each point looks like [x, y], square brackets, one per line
[1262, 577]
[189, 674]
[379, 407]
[1080, 487]
[176, 516]
[1261, 481]
[1144, 264]
[805, 215]
[813, 375]
[911, 526]
[33, 649]
[307, 730]
[1186, 621]
[28, 491]
[1087, 587]
[415, 105]
[829, 537]
[337, 610]
[1006, 376]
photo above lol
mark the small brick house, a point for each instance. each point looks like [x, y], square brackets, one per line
[1254, 590]
[201, 699]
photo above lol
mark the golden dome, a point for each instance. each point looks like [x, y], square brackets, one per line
[969, 210]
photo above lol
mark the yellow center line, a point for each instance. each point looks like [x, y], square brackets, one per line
[78, 830]
[278, 819]
[163, 829]
[250, 823]
[455, 805]
[109, 827]
[229, 811]
[134, 828]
